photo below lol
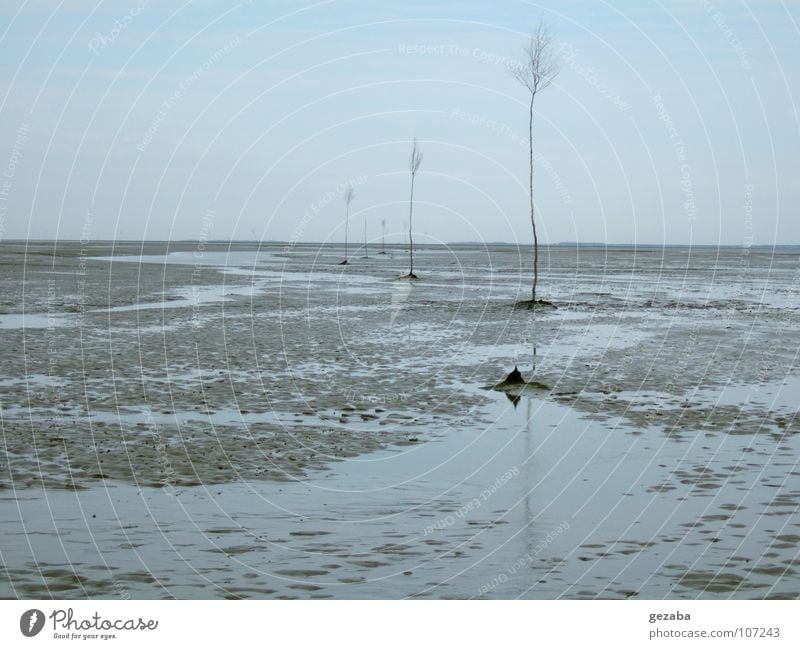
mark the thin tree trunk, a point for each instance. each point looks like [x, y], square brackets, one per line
[410, 239]
[530, 195]
[346, 222]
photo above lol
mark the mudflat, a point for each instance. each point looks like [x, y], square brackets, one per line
[284, 426]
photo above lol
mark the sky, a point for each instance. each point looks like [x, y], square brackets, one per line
[669, 122]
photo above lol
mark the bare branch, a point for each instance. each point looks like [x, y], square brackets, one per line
[540, 64]
[415, 160]
[349, 193]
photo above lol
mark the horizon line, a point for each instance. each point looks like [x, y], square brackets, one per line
[278, 242]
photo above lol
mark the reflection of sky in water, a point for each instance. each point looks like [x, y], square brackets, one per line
[34, 321]
[665, 275]
[590, 509]
[189, 297]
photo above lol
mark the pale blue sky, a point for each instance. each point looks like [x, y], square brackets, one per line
[133, 119]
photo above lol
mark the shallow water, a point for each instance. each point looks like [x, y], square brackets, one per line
[542, 503]
[299, 429]
[33, 321]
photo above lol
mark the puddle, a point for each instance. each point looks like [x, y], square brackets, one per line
[34, 321]
[540, 503]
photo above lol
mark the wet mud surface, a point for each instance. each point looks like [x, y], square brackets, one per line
[242, 422]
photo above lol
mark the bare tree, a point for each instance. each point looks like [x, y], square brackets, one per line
[349, 192]
[414, 162]
[539, 66]
[383, 237]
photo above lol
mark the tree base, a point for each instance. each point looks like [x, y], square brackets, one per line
[408, 276]
[383, 252]
[342, 263]
[516, 383]
[530, 304]
[514, 378]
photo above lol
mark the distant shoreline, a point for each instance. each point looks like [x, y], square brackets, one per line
[402, 246]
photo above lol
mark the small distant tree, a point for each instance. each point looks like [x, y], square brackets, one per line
[383, 237]
[414, 162]
[536, 71]
[348, 198]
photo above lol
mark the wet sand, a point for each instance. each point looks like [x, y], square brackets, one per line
[240, 422]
